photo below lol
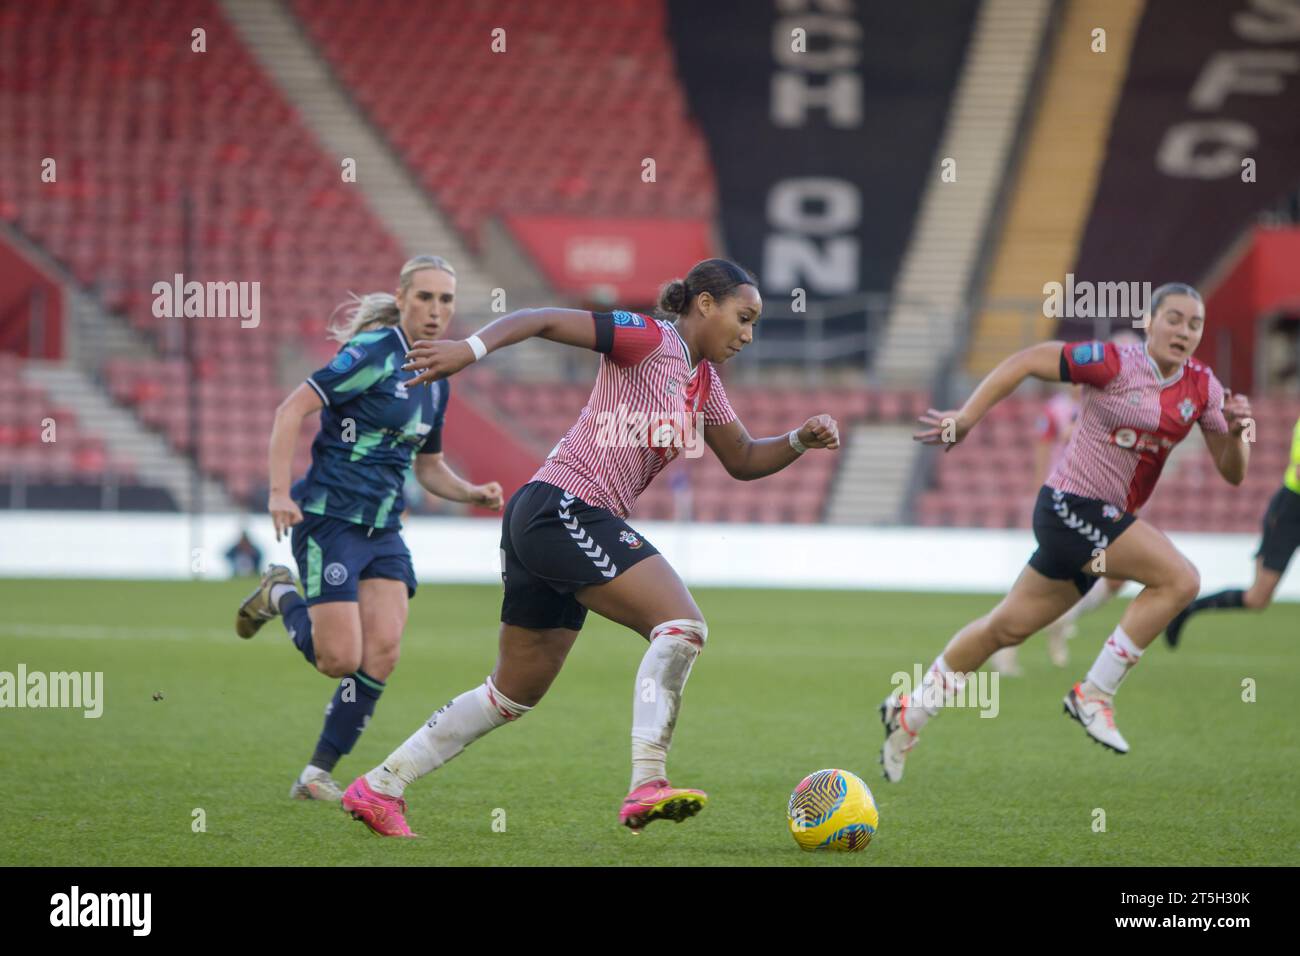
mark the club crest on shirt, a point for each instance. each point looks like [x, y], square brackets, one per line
[1186, 409]
[629, 539]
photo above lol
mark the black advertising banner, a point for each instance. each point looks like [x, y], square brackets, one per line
[1206, 135]
[822, 118]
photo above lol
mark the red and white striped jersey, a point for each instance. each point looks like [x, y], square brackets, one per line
[648, 406]
[1129, 420]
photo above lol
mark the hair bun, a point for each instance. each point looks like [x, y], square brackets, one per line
[672, 297]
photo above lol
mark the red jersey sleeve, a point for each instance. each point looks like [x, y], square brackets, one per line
[626, 337]
[1089, 363]
[1212, 417]
[717, 409]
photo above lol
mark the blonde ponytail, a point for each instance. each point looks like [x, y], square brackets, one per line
[375, 309]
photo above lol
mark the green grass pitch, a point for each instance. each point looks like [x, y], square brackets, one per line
[789, 684]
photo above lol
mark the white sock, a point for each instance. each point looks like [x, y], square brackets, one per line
[311, 772]
[278, 591]
[660, 679]
[1118, 656]
[924, 702]
[448, 732]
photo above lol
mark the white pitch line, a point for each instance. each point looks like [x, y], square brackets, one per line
[106, 632]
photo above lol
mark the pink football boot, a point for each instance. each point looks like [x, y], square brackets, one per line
[657, 800]
[383, 814]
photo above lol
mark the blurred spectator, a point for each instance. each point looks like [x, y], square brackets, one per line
[244, 557]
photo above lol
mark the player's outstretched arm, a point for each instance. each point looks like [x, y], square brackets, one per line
[435, 360]
[1231, 452]
[300, 403]
[748, 458]
[949, 427]
[437, 477]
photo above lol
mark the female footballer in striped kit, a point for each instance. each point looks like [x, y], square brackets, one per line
[344, 515]
[1139, 401]
[565, 546]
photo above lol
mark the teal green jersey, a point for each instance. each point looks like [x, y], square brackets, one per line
[371, 429]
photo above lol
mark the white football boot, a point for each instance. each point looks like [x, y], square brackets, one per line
[316, 784]
[898, 739]
[1097, 717]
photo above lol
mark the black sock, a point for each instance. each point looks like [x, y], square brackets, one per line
[326, 755]
[346, 716]
[297, 621]
[1221, 600]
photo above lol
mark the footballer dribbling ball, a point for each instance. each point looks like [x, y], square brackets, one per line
[833, 810]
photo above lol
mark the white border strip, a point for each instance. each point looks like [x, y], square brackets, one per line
[465, 550]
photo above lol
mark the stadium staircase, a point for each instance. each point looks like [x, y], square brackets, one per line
[281, 39]
[932, 288]
[933, 283]
[105, 435]
[1054, 190]
[123, 434]
[873, 476]
[274, 36]
[268, 206]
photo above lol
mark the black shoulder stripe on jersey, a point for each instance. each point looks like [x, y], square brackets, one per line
[604, 331]
[433, 443]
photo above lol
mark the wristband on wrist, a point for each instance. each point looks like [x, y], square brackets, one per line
[476, 345]
[795, 443]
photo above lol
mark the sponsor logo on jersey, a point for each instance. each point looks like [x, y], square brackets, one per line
[400, 390]
[1087, 353]
[349, 357]
[629, 539]
[1186, 409]
[629, 319]
[1141, 441]
[335, 574]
